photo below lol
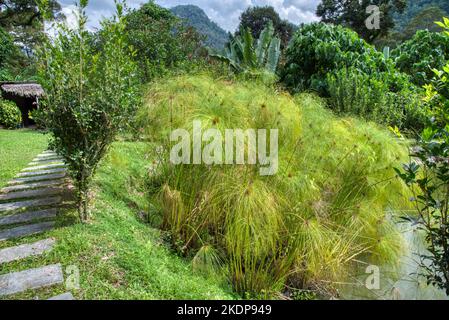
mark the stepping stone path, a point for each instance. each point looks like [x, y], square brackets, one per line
[29, 206]
[26, 250]
[65, 296]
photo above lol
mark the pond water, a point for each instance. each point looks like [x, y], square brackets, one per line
[400, 283]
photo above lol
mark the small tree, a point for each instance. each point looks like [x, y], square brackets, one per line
[91, 94]
[257, 19]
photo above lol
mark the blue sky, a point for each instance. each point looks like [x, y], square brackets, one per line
[225, 12]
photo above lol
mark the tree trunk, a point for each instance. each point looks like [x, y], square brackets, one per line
[83, 196]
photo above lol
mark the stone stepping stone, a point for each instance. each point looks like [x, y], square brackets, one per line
[45, 162]
[29, 186]
[29, 204]
[27, 230]
[41, 173]
[53, 159]
[27, 250]
[48, 155]
[49, 166]
[37, 178]
[28, 217]
[31, 279]
[64, 296]
[30, 194]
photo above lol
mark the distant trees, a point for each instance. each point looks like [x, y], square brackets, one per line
[352, 14]
[161, 40]
[6, 47]
[8, 53]
[415, 7]
[257, 18]
[425, 19]
[419, 15]
[24, 20]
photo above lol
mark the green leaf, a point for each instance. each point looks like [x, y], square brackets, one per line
[264, 41]
[249, 55]
[274, 53]
[439, 23]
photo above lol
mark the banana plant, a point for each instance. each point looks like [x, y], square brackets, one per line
[243, 54]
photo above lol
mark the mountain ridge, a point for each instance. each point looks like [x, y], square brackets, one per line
[195, 17]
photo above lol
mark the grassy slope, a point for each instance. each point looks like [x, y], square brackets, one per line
[118, 256]
[17, 148]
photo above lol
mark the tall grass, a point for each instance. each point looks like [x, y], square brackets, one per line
[304, 226]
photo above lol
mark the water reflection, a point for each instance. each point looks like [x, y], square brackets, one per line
[400, 283]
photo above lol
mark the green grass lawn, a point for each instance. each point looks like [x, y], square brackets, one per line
[117, 254]
[17, 149]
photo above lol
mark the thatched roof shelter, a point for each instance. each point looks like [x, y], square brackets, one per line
[25, 95]
[22, 89]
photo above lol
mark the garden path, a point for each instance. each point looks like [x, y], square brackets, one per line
[29, 206]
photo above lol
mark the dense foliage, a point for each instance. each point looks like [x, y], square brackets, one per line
[195, 17]
[352, 14]
[427, 175]
[336, 63]
[356, 93]
[90, 95]
[161, 40]
[429, 181]
[424, 52]
[302, 226]
[243, 54]
[257, 18]
[319, 48]
[10, 115]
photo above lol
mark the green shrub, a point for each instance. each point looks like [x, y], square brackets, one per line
[355, 93]
[358, 79]
[319, 48]
[419, 55]
[303, 226]
[91, 95]
[10, 115]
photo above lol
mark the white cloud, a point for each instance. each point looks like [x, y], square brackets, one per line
[224, 12]
[70, 13]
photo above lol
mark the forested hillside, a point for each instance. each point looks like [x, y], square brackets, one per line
[194, 16]
[418, 9]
